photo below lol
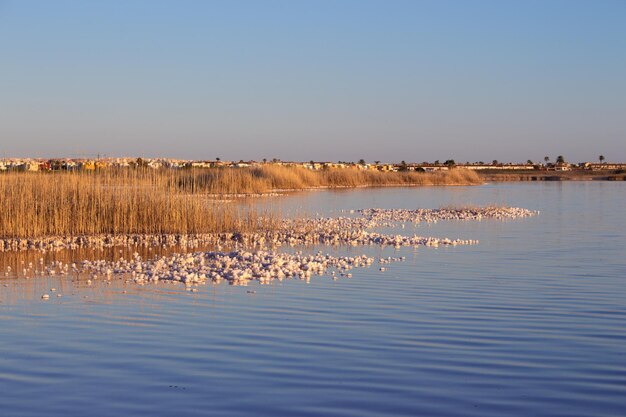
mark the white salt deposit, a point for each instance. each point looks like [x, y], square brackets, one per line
[341, 230]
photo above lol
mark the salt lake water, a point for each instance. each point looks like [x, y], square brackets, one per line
[530, 322]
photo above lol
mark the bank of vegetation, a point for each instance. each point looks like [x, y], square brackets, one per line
[147, 201]
[275, 177]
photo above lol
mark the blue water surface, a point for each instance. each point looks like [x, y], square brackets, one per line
[530, 322]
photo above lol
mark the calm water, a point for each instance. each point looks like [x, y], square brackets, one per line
[531, 322]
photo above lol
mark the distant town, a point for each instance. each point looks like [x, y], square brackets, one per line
[92, 164]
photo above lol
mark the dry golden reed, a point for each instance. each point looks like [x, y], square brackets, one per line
[109, 202]
[166, 201]
[275, 177]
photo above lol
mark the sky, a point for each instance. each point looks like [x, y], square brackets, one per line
[386, 80]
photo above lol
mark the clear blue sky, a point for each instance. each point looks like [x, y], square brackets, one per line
[326, 80]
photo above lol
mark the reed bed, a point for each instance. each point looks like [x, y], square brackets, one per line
[274, 177]
[110, 202]
[147, 201]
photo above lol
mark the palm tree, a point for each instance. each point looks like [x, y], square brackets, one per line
[601, 158]
[530, 162]
[560, 159]
[546, 159]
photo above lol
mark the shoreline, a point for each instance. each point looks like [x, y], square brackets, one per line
[530, 176]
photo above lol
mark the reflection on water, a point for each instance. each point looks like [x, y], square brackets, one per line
[529, 322]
